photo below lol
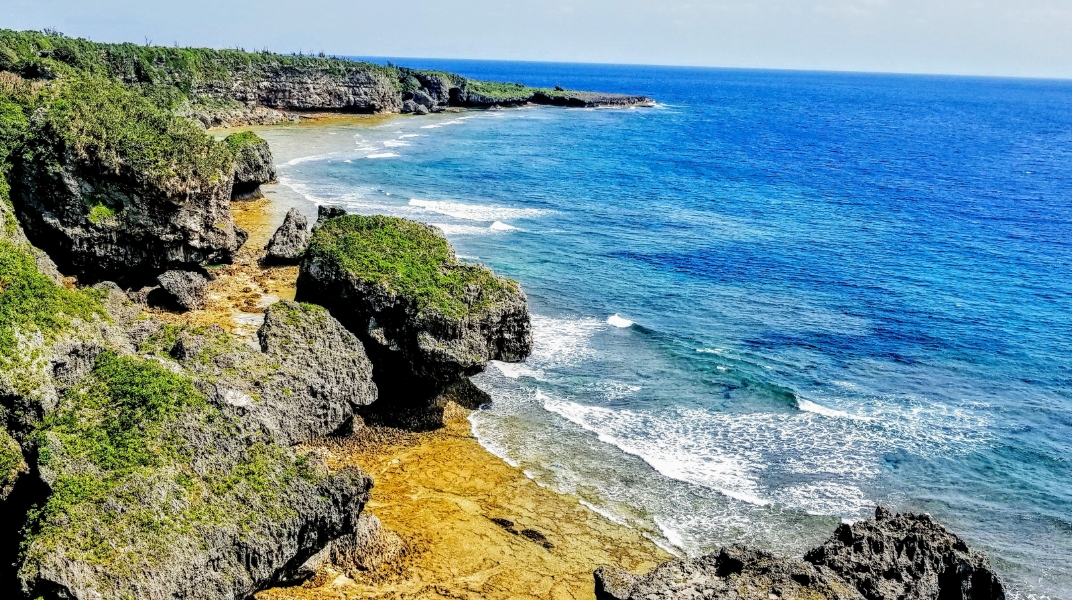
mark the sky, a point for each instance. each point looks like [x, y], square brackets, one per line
[1024, 38]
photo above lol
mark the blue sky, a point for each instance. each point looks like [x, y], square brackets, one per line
[976, 37]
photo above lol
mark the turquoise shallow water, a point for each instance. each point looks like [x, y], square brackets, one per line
[767, 304]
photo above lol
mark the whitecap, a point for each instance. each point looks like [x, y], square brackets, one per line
[384, 155]
[476, 212]
[809, 406]
[310, 158]
[409, 135]
[618, 321]
[500, 226]
[395, 144]
[562, 342]
[513, 370]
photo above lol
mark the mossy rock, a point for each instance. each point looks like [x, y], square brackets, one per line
[426, 320]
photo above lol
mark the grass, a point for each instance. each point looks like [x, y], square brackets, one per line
[30, 302]
[11, 461]
[122, 133]
[100, 213]
[409, 259]
[128, 432]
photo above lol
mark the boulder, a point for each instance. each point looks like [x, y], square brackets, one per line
[184, 290]
[289, 241]
[907, 557]
[409, 106]
[427, 320]
[253, 164]
[323, 213]
[366, 548]
[735, 572]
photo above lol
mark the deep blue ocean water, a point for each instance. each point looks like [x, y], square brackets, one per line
[768, 304]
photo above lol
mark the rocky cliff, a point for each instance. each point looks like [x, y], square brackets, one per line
[427, 321]
[889, 557]
[140, 457]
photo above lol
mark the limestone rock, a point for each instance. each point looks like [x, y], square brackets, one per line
[306, 382]
[133, 230]
[907, 557]
[422, 335]
[366, 548]
[253, 164]
[735, 572]
[184, 290]
[323, 213]
[289, 241]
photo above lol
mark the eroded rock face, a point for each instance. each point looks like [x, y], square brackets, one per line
[306, 382]
[282, 87]
[253, 165]
[289, 241]
[99, 227]
[418, 350]
[907, 557]
[890, 557]
[735, 572]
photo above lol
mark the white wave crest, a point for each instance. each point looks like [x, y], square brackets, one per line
[409, 135]
[476, 212]
[500, 226]
[384, 155]
[395, 144]
[618, 321]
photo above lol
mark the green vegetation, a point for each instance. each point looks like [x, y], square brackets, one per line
[410, 259]
[31, 302]
[294, 313]
[239, 142]
[124, 133]
[131, 431]
[11, 461]
[99, 213]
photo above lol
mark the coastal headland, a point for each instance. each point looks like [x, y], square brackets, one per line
[175, 425]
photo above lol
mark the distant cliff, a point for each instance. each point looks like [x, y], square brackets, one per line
[231, 87]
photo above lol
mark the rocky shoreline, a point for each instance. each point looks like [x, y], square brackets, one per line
[175, 426]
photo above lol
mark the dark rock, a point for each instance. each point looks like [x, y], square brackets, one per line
[418, 350]
[735, 572]
[253, 165]
[184, 290]
[421, 98]
[289, 241]
[409, 106]
[323, 213]
[132, 230]
[907, 557]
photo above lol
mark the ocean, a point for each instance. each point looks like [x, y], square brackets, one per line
[769, 303]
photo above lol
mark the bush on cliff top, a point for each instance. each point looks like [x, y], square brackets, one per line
[123, 133]
[410, 259]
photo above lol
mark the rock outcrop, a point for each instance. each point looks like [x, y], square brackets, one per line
[183, 290]
[427, 321]
[158, 456]
[253, 164]
[289, 241]
[735, 572]
[907, 557]
[889, 557]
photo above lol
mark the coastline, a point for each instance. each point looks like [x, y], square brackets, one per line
[437, 490]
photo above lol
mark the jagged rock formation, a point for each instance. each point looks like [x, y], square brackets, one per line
[890, 557]
[152, 469]
[253, 164]
[289, 241]
[427, 321]
[183, 290]
[907, 557]
[735, 572]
